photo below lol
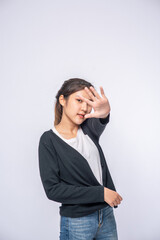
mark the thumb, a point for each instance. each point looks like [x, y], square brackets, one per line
[90, 115]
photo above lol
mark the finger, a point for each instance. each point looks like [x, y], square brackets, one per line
[112, 204]
[116, 202]
[120, 197]
[90, 115]
[90, 93]
[102, 92]
[95, 92]
[86, 100]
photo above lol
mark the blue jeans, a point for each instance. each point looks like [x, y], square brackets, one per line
[100, 225]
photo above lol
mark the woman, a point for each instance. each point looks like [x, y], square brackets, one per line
[72, 165]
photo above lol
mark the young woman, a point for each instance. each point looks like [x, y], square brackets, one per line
[72, 165]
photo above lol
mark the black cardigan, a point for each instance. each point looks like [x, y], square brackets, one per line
[66, 175]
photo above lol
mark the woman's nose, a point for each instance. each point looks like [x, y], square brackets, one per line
[84, 106]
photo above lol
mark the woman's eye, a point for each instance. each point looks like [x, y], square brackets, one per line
[79, 100]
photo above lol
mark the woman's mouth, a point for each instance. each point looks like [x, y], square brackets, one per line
[81, 116]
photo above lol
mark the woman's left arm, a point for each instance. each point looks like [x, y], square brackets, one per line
[97, 125]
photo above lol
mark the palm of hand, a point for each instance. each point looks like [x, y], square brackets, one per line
[100, 105]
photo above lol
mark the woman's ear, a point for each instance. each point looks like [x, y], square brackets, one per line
[61, 100]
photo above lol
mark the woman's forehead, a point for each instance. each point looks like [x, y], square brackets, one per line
[82, 93]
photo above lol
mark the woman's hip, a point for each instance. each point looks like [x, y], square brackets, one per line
[96, 225]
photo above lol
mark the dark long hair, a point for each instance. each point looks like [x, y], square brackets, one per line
[68, 87]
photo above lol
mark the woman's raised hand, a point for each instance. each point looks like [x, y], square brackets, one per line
[100, 104]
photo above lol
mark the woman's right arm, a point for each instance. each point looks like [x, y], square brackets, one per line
[58, 190]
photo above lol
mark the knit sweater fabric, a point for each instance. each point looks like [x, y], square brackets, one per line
[86, 147]
[66, 174]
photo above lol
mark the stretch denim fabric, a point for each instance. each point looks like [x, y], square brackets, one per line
[100, 225]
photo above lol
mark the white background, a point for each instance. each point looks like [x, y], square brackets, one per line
[114, 44]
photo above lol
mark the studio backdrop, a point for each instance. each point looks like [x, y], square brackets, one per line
[114, 44]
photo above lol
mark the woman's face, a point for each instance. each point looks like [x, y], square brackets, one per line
[75, 106]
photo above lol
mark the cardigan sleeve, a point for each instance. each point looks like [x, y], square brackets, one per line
[58, 190]
[97, 125]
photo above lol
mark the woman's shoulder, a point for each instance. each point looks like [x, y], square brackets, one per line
[45, 137]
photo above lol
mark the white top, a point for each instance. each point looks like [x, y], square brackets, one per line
[86, 147]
